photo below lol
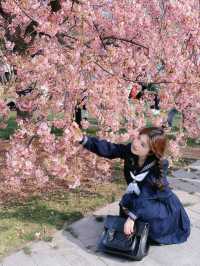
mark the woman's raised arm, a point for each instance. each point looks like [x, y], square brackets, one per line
[102, 147]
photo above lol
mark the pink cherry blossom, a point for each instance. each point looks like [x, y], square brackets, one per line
[89, 54]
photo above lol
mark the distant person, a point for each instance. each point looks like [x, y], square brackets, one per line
[137, 92]
[170, 116]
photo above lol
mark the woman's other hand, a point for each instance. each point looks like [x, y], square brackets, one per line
[129, 227]
[76, 132]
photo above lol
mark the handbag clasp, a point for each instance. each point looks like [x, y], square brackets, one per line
[111, 233]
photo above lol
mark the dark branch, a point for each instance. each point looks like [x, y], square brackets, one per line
[31, 139]
[97, 30]
[141, 81]
[66, 95]
[105, 70]
[125, 40]
[55, 5]
[75, 2]
[7, 16]
[60, 37]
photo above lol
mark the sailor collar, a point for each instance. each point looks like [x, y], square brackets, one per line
[149, 163]
[133, 186]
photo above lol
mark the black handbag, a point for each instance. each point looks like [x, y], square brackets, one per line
[114, 241]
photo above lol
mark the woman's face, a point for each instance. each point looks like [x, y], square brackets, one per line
[140, 145]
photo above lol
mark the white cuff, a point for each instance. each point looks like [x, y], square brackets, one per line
[132, 216]
[84, 140]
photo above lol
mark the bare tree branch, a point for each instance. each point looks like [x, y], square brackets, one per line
[97, 30]
[143, 81]
[31, 139]
[66, 95]
[105, 70]
[125, 40]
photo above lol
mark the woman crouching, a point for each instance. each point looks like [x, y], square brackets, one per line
[148, 196]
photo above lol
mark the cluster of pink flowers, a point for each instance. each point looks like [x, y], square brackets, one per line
[91, 52]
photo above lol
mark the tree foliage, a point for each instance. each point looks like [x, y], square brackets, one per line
[87, 52]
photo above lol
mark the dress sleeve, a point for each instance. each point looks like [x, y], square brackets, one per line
[131, 214]
[126, 207]
[104, 148]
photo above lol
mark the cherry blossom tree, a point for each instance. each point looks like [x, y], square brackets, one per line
[75, 52]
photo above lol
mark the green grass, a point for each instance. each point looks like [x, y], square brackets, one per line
[53, 116]
[92, 131]
[122, 131]
[193, 142]
[5, 133]
[40, 217]
[117, 167]
[57, 131]
[92, 120]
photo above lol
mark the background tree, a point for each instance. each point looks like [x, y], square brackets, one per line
[69, 50]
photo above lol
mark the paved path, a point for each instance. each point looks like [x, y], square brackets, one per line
[76, 245]
[187, 180]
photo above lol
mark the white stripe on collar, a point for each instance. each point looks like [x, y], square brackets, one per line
[148, 166]
[139, 177]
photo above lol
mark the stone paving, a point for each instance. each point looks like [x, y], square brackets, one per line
[187, 180]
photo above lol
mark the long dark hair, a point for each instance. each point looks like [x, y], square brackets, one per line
[158, 145]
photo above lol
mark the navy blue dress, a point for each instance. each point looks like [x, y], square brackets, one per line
[168, 220]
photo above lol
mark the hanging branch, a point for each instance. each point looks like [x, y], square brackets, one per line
[31, 139]
[125, 40]
[97, 30]
[153, 82]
